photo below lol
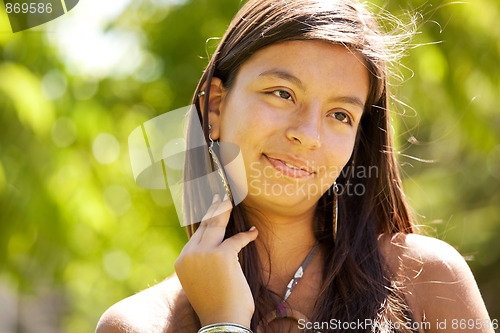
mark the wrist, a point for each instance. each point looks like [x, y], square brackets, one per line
[239, 319]
[224, 328]
[236, 321]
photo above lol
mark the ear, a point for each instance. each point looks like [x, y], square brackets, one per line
[215, 101]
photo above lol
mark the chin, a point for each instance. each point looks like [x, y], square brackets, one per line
[280, 204]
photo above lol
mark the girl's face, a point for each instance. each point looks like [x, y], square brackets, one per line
[294, 109]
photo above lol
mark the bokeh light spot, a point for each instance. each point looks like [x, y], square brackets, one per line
[117, 265]
[64, 132]
[106, 148]
[84, 90]
[54, 84]
[117, 200]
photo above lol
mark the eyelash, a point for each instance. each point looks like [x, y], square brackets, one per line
[347, 120]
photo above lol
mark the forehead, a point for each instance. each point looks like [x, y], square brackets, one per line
[317, 64]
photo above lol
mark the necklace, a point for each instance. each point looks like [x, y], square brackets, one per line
[282, 311]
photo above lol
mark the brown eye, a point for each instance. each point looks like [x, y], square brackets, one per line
[282, 94]
[342, 116]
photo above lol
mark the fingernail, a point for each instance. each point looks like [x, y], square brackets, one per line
[252, 228]
[216, 198]
[226, 197]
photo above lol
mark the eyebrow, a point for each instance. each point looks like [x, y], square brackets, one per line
[284, 76]
[350, 100]
[289, 77]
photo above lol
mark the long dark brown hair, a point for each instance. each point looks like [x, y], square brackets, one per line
[357, 284]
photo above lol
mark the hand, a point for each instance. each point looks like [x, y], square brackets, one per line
[210, 273]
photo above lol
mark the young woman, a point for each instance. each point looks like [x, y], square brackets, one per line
[324, 240]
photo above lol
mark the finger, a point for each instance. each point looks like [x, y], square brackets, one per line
[198, 234]
[240, 240]
[215, 230]
[210, 212]
[222, 213]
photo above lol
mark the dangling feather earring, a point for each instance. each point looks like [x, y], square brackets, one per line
[218, 166]
[335, 210]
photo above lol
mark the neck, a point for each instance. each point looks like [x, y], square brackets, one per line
[283, 241]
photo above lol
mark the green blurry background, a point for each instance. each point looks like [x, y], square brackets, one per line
[77, 234]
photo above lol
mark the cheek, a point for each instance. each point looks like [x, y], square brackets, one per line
[339, 151]
[249, 121]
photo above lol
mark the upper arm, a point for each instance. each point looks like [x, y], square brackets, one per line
[115, 321]
[161, 308]
[445, 287]
[146, 311]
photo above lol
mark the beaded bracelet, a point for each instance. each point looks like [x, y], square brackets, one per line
[224, 328]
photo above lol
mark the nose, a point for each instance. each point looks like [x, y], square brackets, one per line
[305, 130]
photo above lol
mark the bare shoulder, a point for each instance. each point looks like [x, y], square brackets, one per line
[425, 259]
[413, 252]
[437, 281]
[161, 308]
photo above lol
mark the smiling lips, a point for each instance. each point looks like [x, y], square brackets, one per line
[290, 167]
